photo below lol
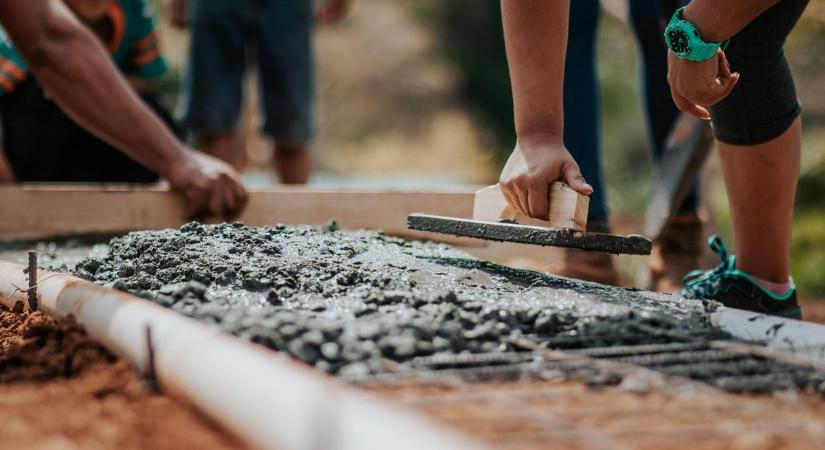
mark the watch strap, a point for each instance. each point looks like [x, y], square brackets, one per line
[702, 51]
[699, 49]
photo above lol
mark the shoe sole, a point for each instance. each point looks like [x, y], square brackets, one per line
[792, 313]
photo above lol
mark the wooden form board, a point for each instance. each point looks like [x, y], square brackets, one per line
[43, 211]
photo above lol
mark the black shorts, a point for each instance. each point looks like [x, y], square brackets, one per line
[763, 104]
[42, 144]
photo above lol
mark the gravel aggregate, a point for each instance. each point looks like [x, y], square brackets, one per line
[348, 301]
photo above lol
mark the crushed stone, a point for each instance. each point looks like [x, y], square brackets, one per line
[348, 301]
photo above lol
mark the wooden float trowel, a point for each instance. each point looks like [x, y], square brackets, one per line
[494, 219]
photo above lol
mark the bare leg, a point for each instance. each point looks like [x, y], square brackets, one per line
[6, 174]
[223, 146]
[761, 184]
[293, 162]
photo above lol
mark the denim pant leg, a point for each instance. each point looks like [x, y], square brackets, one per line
[215, 66]
[582, 109]
[649, 19]
[284, 37]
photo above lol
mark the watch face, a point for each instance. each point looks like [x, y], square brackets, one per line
[678, 41]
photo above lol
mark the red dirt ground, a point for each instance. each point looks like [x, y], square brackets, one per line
[568, 415]
[60, 390]
[813, 309]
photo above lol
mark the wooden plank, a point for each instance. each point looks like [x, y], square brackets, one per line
[566, 208]
[43, 211]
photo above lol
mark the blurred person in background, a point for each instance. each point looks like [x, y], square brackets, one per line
[226, 36]
[74, 70]
[679, 248]
[40, 141]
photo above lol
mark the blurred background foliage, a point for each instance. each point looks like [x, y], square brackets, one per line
[417, 92]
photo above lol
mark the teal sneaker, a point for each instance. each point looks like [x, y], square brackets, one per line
[737, 289]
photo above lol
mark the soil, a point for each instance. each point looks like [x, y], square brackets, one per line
[813, 309]
[59, 389]
[566, 415]
[359, 303]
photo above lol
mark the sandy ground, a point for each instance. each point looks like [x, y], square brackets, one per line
[60, 390]
[568, 415]
[813, 309]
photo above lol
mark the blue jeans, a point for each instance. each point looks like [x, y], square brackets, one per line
[226, 36]
[582, 108]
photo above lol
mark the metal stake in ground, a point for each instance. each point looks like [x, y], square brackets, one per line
[32, 271]
[150, 378]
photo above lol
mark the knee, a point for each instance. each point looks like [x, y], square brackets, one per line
[761, 107]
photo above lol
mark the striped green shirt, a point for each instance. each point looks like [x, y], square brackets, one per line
[134, 46]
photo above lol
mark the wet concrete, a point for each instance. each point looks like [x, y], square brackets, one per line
[348, 301]
[356, 303]
[525, 234]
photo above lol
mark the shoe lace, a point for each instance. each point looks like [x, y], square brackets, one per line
[705, 284]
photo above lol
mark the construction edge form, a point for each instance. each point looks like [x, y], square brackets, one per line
[42, 211]
[797, 340]
[265, 398]
[792, 340]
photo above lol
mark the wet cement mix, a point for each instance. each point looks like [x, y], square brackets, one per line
[357, 302]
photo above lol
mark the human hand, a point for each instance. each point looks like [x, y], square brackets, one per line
[538, 160]
[176, 12]
[332, 10]
[210, 186]
[695, 86]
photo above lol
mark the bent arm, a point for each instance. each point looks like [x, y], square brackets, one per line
[535, 35]
[721, 20]
[74, 69]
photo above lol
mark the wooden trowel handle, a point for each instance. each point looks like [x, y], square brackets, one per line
[567, 208]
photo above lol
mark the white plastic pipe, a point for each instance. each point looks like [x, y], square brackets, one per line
[262, 396]
[804, 341]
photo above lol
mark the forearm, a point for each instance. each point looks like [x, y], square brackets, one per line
[535, 34]
[76, 72]
[719, 20]
[106, 105]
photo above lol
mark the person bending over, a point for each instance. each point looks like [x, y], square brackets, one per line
[758, 133]
[73, 68]
[40, 142]
[756, 125]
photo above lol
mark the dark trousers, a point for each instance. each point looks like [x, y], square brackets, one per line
[582, 108]
[42, 144]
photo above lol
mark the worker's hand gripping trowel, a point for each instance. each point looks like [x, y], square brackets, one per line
[494, 219]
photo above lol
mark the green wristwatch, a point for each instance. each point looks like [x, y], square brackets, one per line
[683, 39]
